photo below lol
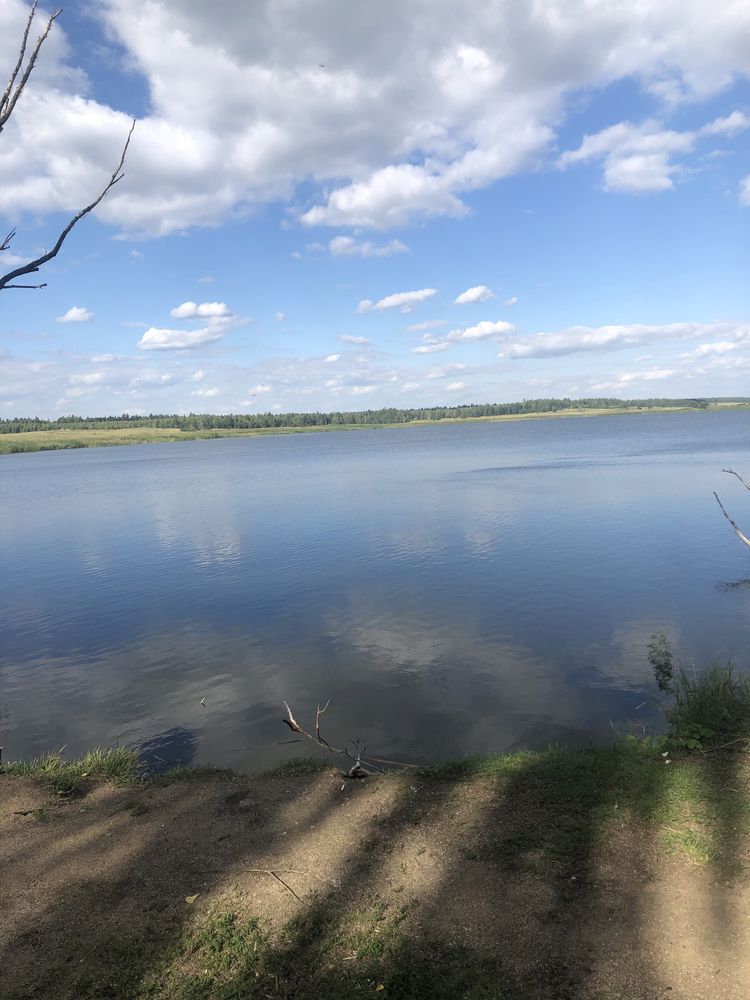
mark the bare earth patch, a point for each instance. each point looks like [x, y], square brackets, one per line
[288, 885]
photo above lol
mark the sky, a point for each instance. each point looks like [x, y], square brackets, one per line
[344, 205]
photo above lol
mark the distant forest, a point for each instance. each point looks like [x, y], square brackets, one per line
[388, 415]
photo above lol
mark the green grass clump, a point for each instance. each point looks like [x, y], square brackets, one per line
[711, 707]
[66, 777]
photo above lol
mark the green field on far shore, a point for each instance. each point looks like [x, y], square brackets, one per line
[61, 439]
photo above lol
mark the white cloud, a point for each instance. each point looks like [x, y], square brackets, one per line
[347, 338]
[363, 390]
[731, 125]
[455, 386]
[158, 339]
[481, 331]
[76, 314]
[745, 191]
[443, 99]
[280, 317]
[204, 310]
[576, 339]
[332, 357]
[262, 388]
[484, 330]
[206, 392]
[479, 293]
[198, 375]
[719, 347]
[206, 279]
[428, 324]
[407, 386]
[347, 246]
[431, 348]
[405, 301]
[639, 158]
[445, 371]
[512, 301]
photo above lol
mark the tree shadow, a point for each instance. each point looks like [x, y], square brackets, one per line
[527, 877]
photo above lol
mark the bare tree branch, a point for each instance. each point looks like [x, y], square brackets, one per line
[5, 245]
[10, 96]
[742, 538]
[33, 265]
[731, 472]
[361, 765]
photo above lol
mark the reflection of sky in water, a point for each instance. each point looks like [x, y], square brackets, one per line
[451, 589]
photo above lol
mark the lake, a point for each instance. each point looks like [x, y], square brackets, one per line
[450, 589]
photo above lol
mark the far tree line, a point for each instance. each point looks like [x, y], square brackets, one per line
[387, 415]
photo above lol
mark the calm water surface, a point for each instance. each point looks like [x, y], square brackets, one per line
[451, 589]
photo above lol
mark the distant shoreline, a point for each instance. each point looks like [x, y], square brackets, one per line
[63, 440]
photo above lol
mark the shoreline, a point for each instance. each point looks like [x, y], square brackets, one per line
[25, 442]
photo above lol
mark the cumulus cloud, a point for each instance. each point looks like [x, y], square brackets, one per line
[576, 339]
[261, 388]
[455, 386]
[347, 246]
[405, 301]
[640, 158]
[512, 301]
[745, 191]
[431, 347]
[347, 338]
[363, 390]
[76, 314]
[161, 339]
[198, 375]
[204, 310]
[484, 330]
[207, 393]
[280, 317]
[428, 324]
[479, 293]
[731, 125]
[240, 111]
[332, 357]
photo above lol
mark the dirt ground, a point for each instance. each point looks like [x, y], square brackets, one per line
[572, 908]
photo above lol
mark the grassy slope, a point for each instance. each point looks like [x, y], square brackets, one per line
[53, 440]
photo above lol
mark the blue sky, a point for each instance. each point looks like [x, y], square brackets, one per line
[312, 184]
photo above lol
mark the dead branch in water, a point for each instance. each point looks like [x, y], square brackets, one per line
[360, 765]
[742, 538]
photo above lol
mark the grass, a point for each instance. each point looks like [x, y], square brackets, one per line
[60, 439]
[711, 707]
[68, 777]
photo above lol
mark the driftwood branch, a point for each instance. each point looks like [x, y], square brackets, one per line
[731, 472]
[33, 265]
[360, 764]
[14, 90]
[742, 538]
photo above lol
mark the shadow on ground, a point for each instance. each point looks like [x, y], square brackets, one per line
[568, 874]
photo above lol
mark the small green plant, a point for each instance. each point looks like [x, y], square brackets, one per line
[711, 707]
